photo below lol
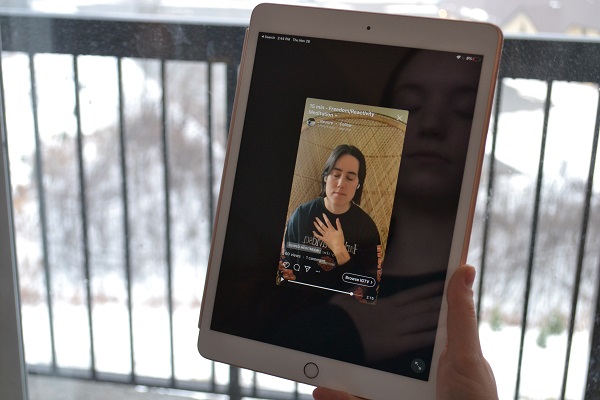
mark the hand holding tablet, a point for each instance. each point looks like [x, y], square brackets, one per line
[459, 377]
[347, 198]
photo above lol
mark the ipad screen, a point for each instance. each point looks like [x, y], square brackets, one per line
[345, 198]
[341, 198]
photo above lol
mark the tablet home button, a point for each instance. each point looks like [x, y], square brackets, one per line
[311, 370]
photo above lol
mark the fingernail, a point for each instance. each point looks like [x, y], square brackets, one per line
[470, 277]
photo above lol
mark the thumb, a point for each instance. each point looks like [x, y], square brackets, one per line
[321, 393]
[462, 329]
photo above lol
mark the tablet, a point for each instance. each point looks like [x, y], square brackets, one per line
[347, 197]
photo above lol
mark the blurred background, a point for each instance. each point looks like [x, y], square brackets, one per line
[116, 117]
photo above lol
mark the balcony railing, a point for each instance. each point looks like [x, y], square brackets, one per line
[114, 199]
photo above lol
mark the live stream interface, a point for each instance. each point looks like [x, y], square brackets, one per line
[341, 203]
[348, 180]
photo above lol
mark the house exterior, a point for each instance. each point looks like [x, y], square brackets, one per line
[574, 17]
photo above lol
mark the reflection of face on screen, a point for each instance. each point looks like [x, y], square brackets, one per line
[397, 333]
[440, 93]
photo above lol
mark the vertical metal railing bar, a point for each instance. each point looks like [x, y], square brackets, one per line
[296, 392]
[168, 238]
[232, 76]
[254, 384]
[84, 216]
[235, 390]
[213, 381]
[39, 168]
[125, 200]
[533, 239]
[489, 198]
[210, 180]
[581, 250]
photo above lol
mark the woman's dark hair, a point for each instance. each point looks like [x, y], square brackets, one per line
[336, 153]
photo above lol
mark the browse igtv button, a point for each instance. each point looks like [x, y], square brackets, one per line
[358, 279]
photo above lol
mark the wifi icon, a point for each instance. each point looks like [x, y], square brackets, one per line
[458, 56]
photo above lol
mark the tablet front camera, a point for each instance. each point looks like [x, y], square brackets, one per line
[368, 27]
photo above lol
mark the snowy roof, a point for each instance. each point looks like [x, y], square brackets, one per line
[546, 15]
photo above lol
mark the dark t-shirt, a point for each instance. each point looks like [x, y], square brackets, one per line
[312, 263]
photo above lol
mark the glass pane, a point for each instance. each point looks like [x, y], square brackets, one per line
[116, 153]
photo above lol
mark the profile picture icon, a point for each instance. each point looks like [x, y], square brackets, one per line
[311, 122]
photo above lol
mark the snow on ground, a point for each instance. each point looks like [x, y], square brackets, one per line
[542, 368]
[541, 377]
